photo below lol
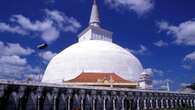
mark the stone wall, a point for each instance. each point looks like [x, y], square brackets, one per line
[34, 96]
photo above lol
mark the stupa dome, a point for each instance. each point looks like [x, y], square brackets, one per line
[92, 56]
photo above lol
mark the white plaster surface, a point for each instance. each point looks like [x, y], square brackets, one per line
[92, 56]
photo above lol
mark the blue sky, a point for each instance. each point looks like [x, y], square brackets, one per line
[161, 33]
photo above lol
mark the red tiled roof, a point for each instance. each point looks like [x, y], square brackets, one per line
[99, 77]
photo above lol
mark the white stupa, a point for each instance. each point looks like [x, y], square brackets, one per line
[94, 53]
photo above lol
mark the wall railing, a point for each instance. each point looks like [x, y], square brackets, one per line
[39, 96]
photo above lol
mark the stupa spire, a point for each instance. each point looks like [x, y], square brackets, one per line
[94, 31]
[94, 19]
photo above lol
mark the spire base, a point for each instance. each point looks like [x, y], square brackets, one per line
[94, 31]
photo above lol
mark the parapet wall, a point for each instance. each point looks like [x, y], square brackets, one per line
[38, 96]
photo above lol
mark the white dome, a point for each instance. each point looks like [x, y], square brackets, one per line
[92, 56]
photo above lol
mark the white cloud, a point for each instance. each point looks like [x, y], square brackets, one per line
[190, 57]
[159, 72]
[55, 15]
[186, 66]
[139, 6]
[45, 28]
[142, 51]
[72, 25]
[160, 83]
[48, 29]
[15, 67]
[10, 71]
[12, 60]
[185, 84]
[12, 67]
[13, 29]
[14, 49]
[154, 71]
[189, 61]
[12, 64]
[184, 33]
[50, 35]
[160, 43]
[48, 55]
[149, 71]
